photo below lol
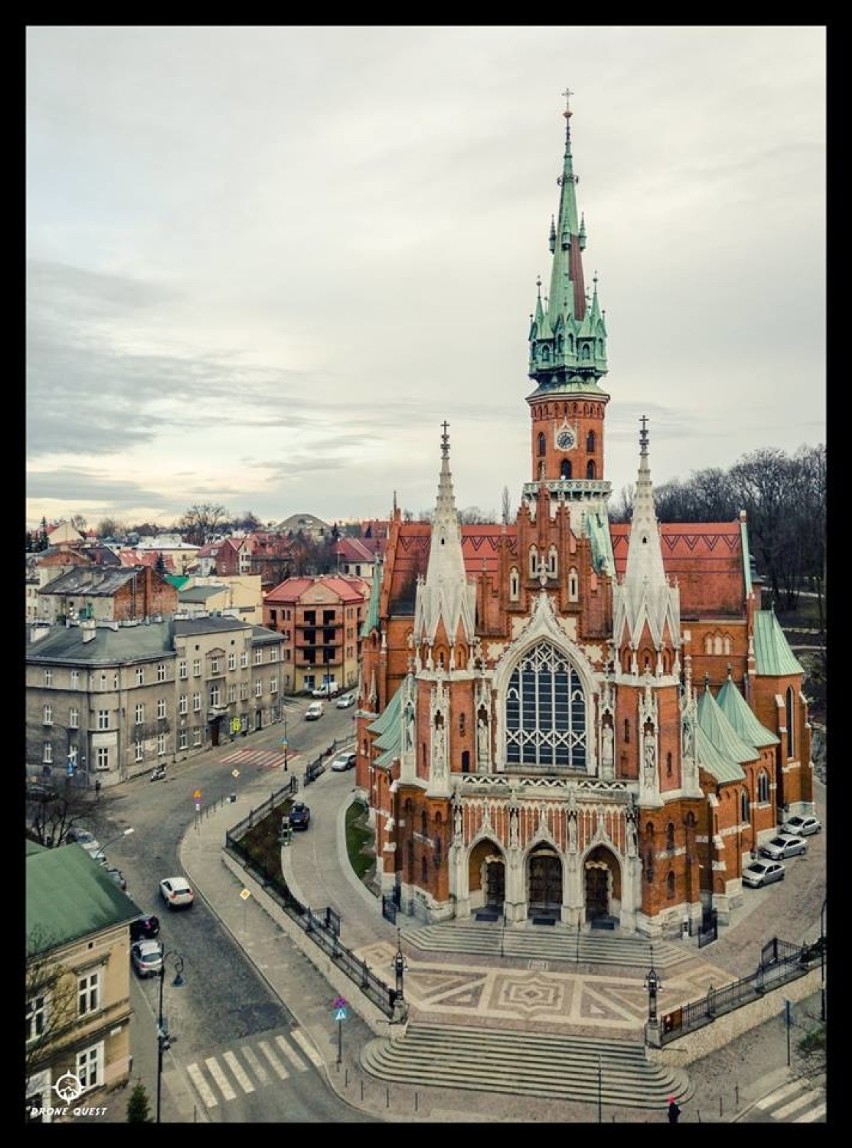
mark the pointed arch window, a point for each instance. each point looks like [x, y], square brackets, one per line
[514, 584]
[763, 787]
[565, 469]
[590, 442]
[744, 806]
[790, 715]
[533, 562]
[552, 562]
[546, 712]
[670, 885]
[424, 824]
[573, 585]
[670, 836]
[542, 444]
[590, 468]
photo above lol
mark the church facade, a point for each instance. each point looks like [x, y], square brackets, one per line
[563, 718]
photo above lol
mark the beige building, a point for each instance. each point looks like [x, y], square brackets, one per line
[77, 990]
[237, 595]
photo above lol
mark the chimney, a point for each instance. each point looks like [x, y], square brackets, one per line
[88, 628]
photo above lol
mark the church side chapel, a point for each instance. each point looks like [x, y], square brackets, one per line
[565, 719]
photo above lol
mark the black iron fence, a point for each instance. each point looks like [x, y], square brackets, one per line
[780, 962]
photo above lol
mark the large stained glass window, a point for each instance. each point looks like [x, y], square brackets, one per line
[545, 712]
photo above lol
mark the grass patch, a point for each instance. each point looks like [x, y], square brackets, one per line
[360, 840]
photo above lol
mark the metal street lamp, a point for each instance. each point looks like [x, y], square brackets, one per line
[101, 853]
[164, 1040]
[822, 960]
[399, 967]
[284, 716]
[653, 984]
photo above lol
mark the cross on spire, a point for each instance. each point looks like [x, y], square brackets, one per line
[643, 434]
[445, 439]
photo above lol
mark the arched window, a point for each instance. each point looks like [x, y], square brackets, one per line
[533, 562]
[542, 444]
[668, 764]
[465, 761]
[762, 787]
[744, 806]
[573, 585]
[438, 843]
[514, 584]
[546, 712]
[726, 643]
[670, 885]
[590, 442]
[565, 469]
[590, 468]
[708, 644]
[424, 870]
[552, 562]
[670, 836]
[626, 731]
[791, 741]
[424, 824]
[717, 644]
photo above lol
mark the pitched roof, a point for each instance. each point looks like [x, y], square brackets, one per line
[736, 709]
[388, 726]
[93, 581]
[68, 896]
[772, 654]
[715, 724]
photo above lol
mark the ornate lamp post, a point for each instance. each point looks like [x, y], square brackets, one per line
[399, 967]
[164, 1040]
[101, 853]
[653, 984]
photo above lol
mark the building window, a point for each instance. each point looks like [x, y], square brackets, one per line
[258, 688]
[232, 661]
[214, 665]
[670, 885]
[744, 806]
[214, 695]
[72, 756]
[244, 659]
[573, 585]
[790, 716]
[102, 757]
[182, 671]
[542, 444]
[162, 742]
[668, 765]
[196, 703]
[626, 732]
[196, 667]
[273, 685]
[161, 707]
[103, 680]
[244, 691]
[47, 753]
[138, 751]
[75, 679]
[183, 739]
[88, 993]
[183, 704]
[514, 584]
[36, 1017]
[461, 724]
[424, 870]
[196, 735]
[103, 719]
[590, 442]
[161, 672]
[552, 562]
[258, 657]
[139, 713]
[545, 711]
[232, 692]
[590, 469]
[48, 678]
[670, 836]
[140, 675]
[533, 562]
[48, 716]
[762, 787]
[89, 1066]
[73, 718]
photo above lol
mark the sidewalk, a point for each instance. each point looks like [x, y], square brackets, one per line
[727, 1082]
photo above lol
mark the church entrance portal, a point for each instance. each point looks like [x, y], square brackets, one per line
[597, 891]
[545, 884]
[495, 884]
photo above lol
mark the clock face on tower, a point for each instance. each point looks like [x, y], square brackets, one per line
[565, 438]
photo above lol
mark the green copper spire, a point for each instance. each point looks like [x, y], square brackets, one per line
[567, 331]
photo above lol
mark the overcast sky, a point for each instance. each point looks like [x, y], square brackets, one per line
[265, 263]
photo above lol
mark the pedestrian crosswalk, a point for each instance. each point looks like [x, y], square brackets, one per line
[264, 758]
[247, 1067]
[796, 1102]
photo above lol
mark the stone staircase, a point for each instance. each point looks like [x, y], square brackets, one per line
[529, 942]
[553, 1067]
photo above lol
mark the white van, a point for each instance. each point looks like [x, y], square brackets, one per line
[326, 690]
[314, 711]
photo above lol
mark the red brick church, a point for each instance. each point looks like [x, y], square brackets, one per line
[564, 718]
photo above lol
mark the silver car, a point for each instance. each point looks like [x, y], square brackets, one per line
[801, 825]
[782, 846]
[761, 873]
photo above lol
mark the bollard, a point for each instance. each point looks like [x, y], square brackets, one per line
[387, 1098]
[362, 1089]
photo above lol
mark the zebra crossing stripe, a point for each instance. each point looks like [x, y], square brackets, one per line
[778, 1095]
[306, 1047]
[256, 1066]
[239, 1072]
[220, 1078]
[794, 1105]
[204, 1090]
[277, 1066]
[815, 1114]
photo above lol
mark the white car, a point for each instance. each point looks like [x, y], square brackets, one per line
[147, 958]
[314, 711]
[176, 892]
[341, 764]
[761, 873]
[801, 826]
[326, 690]
[345, 701]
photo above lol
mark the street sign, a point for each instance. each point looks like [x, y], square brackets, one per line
[198, 807]
[197, 795]
[245, 894]
[340, 1014]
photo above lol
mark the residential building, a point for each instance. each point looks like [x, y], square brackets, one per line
[121, 594]
[239, 596]
[307, 524]
[108, 702]
[77, 995]
[562, 719]
[319, 619]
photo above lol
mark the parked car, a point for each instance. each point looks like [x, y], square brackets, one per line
[783, 845]
[147, 958]
[801, 825]
[314, 711]
[347, 761]
[118, 877]
[176, 892]
[145, 928]
[760, 873]
[326, 690]
[300, 815]
[345, 701]
[83, 837]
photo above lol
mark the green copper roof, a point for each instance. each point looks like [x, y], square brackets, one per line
[719, 730]
[735, 708]
[746, 556]
[69, 896]
[388, 726]
[714, 761]
[597, 529]
[772, 654]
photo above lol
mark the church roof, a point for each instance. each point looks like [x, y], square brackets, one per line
[772, 654]
[714, 759]
[388, 727]
[715, 724]
[735, 708]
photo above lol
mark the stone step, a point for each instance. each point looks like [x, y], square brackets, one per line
[531, 943]
[529, 1064]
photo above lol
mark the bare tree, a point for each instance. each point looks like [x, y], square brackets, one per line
[202, 520]
[51, 1001]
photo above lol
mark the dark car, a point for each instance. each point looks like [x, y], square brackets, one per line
[145, 928]
[300, 815]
